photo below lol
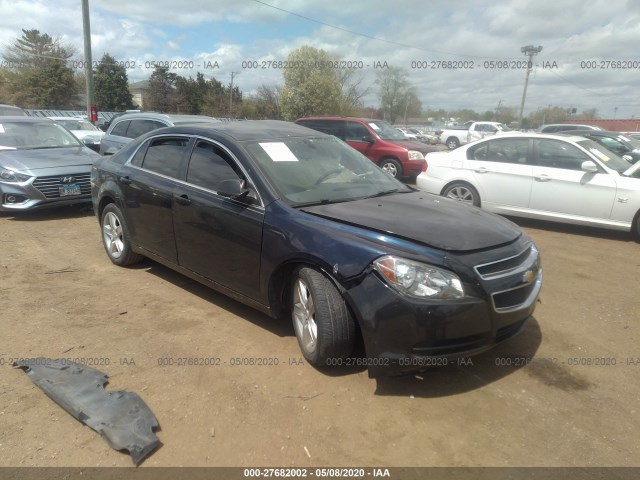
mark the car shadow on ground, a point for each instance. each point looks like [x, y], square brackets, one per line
[276, 326]
[47, 214]
[471, 373]
[573, 229]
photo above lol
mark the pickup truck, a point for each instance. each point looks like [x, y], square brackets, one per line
[453, 138]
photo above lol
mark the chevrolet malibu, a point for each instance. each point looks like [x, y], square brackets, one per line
[299, 225]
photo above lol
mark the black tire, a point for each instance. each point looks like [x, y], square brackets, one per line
[115, 237]
[392, 167]
[635, 228]
[462, 192]
[453, 143]
[324, 326]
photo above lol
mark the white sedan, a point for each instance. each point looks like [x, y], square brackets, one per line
[562, 178]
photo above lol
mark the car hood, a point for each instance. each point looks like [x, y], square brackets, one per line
[632, 169]
[26, 161]
[413, 145]
[428, 219]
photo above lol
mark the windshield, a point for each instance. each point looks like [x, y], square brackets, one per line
[633, 142]
[386, 131]
[317, 170]
[25, 136]
[503, 128]
[606, 156]
[77, 124]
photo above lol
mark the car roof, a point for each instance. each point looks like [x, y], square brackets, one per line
[19, 119]
[601, 133]
[173, 118]
[552, 136]
[67, 118]
[361, 119]
[243, 130]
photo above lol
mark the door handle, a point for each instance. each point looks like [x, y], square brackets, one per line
[182, 199]
[125, 180]
[481, 170]
[542, 178]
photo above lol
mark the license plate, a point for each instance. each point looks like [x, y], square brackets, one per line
[67, 190]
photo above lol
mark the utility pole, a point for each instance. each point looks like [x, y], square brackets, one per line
[529, 50]
[233, 74]
[92, 112]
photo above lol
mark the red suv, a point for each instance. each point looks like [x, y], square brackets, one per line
[377, 140]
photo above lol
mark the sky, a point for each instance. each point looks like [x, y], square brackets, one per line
[590, 56]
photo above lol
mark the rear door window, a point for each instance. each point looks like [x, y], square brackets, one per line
[164, 155]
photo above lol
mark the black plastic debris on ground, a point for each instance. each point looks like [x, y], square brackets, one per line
[122, 418]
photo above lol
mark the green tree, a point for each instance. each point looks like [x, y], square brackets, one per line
[111, 85]
[39, 74]
[311, 89]
[394, 92]
[161, 93]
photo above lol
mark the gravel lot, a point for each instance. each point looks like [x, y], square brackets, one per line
[563, 393]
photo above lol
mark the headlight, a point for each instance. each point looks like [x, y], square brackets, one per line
[415, 155]
[7, 175]
[418, 279]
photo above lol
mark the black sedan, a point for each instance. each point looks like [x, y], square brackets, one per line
[624, 145]
[296, 223]
[41, 165]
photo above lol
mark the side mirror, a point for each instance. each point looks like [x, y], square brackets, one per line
[368, 139]
[235, 189]
[590, 167]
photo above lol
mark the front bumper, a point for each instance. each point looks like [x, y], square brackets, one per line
[45, 191]
[404, 335]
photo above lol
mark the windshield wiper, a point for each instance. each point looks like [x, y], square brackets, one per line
[324, 201]
[383, 193]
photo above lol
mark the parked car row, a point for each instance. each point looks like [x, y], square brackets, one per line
[292, 221]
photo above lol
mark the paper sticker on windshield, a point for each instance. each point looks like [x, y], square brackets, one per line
[599, 154]
[1, 128]
[278, 152]
[374, 126]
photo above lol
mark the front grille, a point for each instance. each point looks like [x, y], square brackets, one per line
[504, 266]
[512, 298]
[50, 186]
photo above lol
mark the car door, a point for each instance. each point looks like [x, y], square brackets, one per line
[502, 171]
[560, 186]
[148, 181]
[217, 237]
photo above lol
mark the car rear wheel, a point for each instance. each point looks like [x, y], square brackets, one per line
[115, 237]
[463, 192]
[392, 167]
[323, 324]
[453, 143]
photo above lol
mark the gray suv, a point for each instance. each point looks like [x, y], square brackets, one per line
[563, 127]
[126, 127]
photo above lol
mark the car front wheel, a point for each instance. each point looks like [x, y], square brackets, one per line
[462, 192]
[323, 324]
[392, 167]
[453, 143]
[115, 237]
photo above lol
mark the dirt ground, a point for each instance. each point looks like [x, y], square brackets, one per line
[563, 393]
